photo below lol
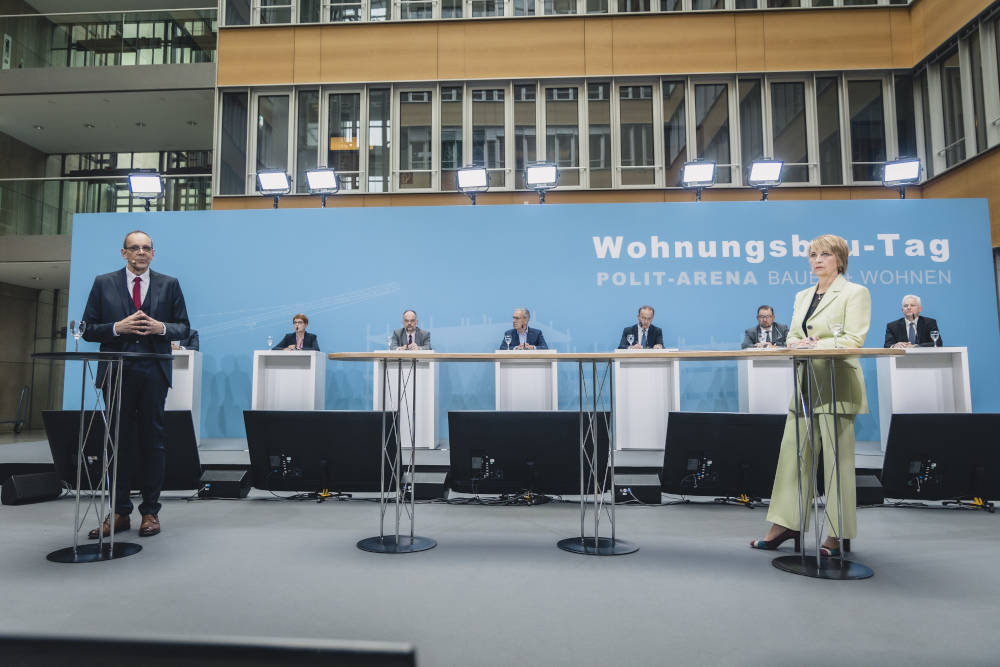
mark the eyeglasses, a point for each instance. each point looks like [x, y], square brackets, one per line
[137, 248]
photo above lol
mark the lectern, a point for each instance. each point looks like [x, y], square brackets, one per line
[647, 390]
[526, 380]
[288, 380]
[420, 428]
[924, 380]
[185, 390]
[765, 385]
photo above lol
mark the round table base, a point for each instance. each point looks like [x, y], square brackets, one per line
[828, 568]
[605, 546]
[93, 553]
[396, 544]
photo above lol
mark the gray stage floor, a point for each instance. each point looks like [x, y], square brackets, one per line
[497, 591]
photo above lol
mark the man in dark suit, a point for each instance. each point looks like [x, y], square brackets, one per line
[135, 309]
[912, 329]
[189, 343]
[644, 335]
[522, 337]
[300, 339]
[410, 336]
[767, 333]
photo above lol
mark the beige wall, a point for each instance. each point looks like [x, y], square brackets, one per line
[576, 46]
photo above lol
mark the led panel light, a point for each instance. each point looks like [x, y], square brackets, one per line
[322, 181]
[698, 174]
[145, 185]
[765, 173]
[273, 182]
[541, 176]
[901, 172]
[473, 179]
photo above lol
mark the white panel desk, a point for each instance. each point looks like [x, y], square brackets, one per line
[646, 391]
[924, 380]
[185, 392]
[425, 385]
[288, 380]
[524, 382]
[766, 384]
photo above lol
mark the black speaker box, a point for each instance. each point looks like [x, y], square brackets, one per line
[428, 485]
[644, 488]
[869, 490]
[23, 489]
[224, 484]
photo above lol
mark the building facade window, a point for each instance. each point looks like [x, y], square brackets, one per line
[867, 126]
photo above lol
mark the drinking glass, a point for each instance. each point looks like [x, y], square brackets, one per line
[836, 327]
[507, 340]
[270, 342]
[934, 336]
[630, 338]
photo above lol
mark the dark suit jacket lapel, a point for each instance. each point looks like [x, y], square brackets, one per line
[154, 282]
[123, 292]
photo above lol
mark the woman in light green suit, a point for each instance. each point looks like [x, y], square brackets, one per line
[833, 301]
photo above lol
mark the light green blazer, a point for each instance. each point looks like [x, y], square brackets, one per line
[850, 304]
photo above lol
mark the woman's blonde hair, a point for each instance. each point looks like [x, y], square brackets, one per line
[836, 245]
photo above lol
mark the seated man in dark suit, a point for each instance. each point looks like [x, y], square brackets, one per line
[767, 333]
[522, 337]
[912, 329]
[410, 336]
[644, 335]
[300, 339]
[189, 343]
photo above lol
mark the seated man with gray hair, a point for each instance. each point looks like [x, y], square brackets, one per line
[912, 329]
[522, 337]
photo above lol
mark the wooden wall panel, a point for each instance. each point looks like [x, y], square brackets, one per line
[749, 37]
[675, 44]
[598, 46]
[451, 51]
[934, 21]
[307, 66]
[525, 48]
[977, 178]
[828, 39]
[262, 56]
[379, 52]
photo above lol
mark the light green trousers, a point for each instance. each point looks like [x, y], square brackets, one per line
[784, 509]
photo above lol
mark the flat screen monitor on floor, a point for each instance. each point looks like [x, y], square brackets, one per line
[942, 457]
[509, 452]
[723, 454]
[183, 466]
[314, 450]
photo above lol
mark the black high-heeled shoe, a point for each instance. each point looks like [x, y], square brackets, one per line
[771, 545]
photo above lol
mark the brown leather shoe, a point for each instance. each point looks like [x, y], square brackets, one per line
[122, 523]
[150, 525]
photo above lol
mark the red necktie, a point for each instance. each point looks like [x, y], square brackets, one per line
[137, 292]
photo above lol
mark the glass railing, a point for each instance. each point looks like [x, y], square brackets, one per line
[109, 39]
[47, 205]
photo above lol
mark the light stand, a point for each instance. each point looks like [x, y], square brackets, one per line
[273, 183]
[472, 181]
[899, 173]
[323, 182]
[541, 178]
[698, 175]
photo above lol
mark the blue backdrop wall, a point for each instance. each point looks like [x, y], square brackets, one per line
[583, 270]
